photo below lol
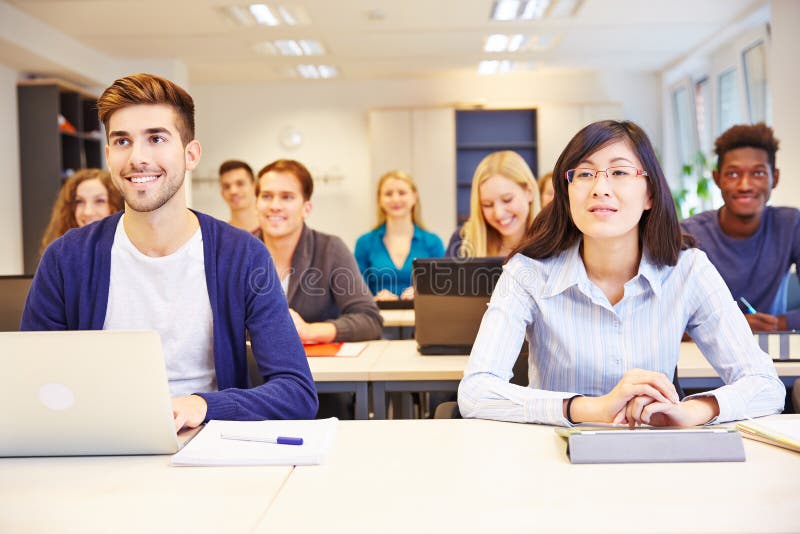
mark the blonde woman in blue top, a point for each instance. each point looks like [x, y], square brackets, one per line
[385, 254]
[603, 289]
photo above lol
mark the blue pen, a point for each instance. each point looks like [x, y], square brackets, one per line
[750, 309]
[280, 440]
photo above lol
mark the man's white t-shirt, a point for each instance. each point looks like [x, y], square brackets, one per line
[169, 295]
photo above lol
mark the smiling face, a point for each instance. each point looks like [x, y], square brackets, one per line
[397, 199]
[605, 212]
[505, 206]
[238, 189]
[91, 202]
[746, 181]
[146, 156]
[282, 210]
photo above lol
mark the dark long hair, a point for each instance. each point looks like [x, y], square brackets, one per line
[554, 231]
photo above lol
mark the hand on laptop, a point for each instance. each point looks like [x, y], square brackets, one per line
[189, 411]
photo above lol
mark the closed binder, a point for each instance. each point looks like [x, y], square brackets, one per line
[652, 445]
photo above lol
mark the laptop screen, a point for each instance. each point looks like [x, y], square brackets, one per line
[451, 298]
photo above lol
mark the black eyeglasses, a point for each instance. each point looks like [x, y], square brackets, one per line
[614, 175]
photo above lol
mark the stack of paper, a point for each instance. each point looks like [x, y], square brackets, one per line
[334, 349]
[210, 448]
[781, 432]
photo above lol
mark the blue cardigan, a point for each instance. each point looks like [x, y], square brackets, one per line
[70, 292]
[376, 264]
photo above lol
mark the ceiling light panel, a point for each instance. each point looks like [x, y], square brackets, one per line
[497, 43]
[290, 47]
[267, 14]
[314, 72]
[519, 9]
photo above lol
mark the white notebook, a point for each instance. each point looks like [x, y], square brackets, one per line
[210, 448]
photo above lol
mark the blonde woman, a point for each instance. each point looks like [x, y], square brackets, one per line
[504, 201]
[384, 255]
[86, 196]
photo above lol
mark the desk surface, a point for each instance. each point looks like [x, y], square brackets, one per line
[341, 369]
[402, 361]
[471, 475]
[402, 318]
[132, 494]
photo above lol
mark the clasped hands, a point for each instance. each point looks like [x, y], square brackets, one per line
[643, 397]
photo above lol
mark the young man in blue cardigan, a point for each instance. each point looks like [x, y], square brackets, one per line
[202, 284]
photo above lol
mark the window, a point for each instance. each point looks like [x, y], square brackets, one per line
[702, 104]
[683, 124]
[755, 82]
[728, 100]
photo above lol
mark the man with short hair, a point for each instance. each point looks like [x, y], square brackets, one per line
[202, 284]
[752, 245]
[237, 186]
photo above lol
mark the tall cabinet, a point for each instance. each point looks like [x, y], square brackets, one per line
[59, 133]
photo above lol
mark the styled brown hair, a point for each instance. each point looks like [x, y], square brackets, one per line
[62, 217]
[232, 165]
[554, 231]
[148, 89]
[747, 135]
[291, 166]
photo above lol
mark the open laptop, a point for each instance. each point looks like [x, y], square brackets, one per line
[451, 295]
[13, 292]
[74, 393]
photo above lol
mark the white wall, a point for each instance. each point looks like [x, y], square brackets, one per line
[10, 202]
[245, 121]
[784, 82]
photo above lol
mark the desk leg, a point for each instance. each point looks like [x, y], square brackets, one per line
[362, 400]
[379, 399]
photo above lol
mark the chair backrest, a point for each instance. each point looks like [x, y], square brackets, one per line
[793, 292]
[13, 292]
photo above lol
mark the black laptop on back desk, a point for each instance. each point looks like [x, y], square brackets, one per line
[450, 299]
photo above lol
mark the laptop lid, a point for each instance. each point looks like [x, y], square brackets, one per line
[76, 393]
[13, 292]
[451, 295]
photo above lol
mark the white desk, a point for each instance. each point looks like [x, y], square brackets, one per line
[483, 476]
[346, 375]
[132, 494]
[694, 371]
[402, 368]
[401, 318]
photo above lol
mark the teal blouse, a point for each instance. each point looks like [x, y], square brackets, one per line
[376, 264]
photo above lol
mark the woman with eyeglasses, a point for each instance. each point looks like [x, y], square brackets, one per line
[603, 290]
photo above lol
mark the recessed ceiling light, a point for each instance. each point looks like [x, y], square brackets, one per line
[317, 71]
[505, 43]
[290, 47]
[534, 9]
[239, 15]
[496, 43]
[494, 66]
[311, 47]
[564, 8]
[264, 15]
[505, 9]
[328, 71]
[519, 9]
[287, 16]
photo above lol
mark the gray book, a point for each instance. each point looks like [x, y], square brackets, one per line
[604, 445]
